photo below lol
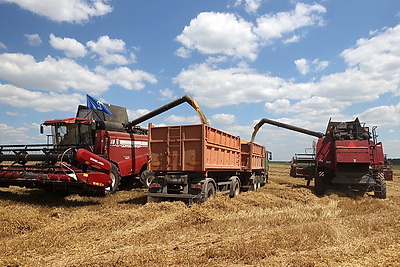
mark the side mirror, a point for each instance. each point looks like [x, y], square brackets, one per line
[41, 129]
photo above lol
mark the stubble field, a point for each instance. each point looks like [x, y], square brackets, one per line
[282, 224]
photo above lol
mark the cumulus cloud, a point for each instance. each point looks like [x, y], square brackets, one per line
[71, 47]
[214, 87]
[111, 51]
[175, 119]
[39, 101]
[74, 11]
[251, 6]
[127, 78]
[167, 94]
[228, 34]
[219, 33]
[223, 118]
[50, 74]
[133, 114]
[33, 39]
[382, 115]
[373, 69]
[275, 26]
[304, 66]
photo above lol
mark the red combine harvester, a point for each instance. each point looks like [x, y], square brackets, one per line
[348, 154]
[193, 162]
[89, 153]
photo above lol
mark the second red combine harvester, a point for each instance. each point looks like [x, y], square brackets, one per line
[193, 162]
[348, 154]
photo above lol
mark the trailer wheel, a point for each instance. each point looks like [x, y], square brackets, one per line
[146, 178]
[153, 199]
[210, 191]
[235, 187]
[254, 184]
[380, 189]
[115, 178]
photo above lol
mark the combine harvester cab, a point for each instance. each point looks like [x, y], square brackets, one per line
[193, 162]
[348, 155]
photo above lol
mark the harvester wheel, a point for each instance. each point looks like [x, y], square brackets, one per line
[116, 179]
[380, 189]
[319, 185]
[210, 191]
[146, 178]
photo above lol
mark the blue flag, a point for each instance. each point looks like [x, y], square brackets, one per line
[93, 103]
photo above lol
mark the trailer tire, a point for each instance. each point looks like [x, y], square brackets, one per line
[234, 187]
[254, 184]
[380, 189]
[210, 191]
[151, 199]
[146, 178]
[116, 180]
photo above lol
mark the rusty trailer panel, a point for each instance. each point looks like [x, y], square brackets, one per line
[253, 157]
[193, 148]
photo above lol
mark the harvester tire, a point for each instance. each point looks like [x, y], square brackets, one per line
[116, 180]
[319, 185]
[146, 178]
[380, 189]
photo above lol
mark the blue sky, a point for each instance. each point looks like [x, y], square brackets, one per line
[299, 62]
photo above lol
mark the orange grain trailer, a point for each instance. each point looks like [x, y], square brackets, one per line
[193, 162]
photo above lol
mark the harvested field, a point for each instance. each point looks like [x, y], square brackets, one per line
[283, 224]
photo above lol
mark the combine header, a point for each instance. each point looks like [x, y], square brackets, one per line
[348, 154]
[91, 152]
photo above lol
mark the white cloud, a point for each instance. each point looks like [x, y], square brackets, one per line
[228, 34]
[133, 114]
[294, 39]
[71, 47]
[2, 46]
[11, 135]
[167, 94]
[33, 39]
[275, 26]
[127, 78]
[39, 101]
[219, 33]
[382, 115]
[14, 114]
[223, 118]
[223, 87]
[304, 66]
[111, 51]
[50, 74]
[175, 119]
[75, 11]
[251, 6]
[373, 69]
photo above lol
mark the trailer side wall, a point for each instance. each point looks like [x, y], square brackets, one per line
[192, 148]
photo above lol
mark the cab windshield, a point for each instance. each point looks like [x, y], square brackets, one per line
[71, 134]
